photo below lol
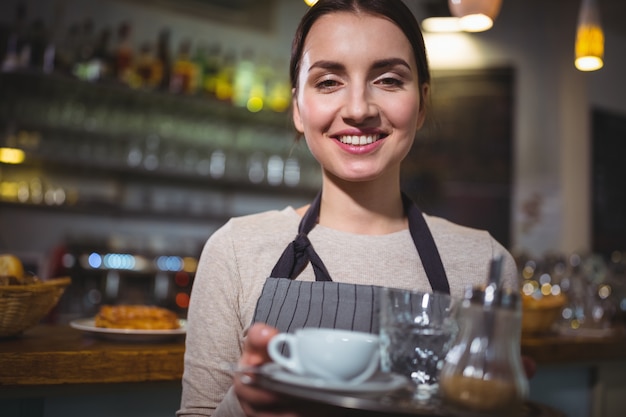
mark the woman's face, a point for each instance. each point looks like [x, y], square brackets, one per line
[357, 100]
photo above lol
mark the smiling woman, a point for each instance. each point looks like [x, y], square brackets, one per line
[360, 83]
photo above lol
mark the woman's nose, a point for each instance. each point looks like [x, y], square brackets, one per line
[359, 105]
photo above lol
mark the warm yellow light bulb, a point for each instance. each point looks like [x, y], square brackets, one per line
[11, 156]
[589, 38]
[310, 2]
[475, 15]
[589, 48]
[441, 24]
[476, 22]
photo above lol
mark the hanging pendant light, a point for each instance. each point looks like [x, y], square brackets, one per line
[475, 15]
[589, 38]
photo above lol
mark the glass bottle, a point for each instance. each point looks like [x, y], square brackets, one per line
[16, 51]
[200, 59]
[212, 69]
[147, 68]
[124, 52]
[65, 58]
[225, 79]
[244, 78]
[164, 58]
[483, 370]
[184, 70]
[102, 55]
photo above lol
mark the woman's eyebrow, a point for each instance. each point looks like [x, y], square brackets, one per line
[390, 62]
[382, 63]
[328, 65]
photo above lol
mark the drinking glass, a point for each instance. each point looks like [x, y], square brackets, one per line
[416, 332]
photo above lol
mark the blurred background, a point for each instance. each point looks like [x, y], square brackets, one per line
[143, 125]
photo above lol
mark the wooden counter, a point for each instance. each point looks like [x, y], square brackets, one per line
[48, 355]
[54, 355]
[559, 349]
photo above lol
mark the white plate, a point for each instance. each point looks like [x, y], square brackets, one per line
[379, 383]
[129, 335]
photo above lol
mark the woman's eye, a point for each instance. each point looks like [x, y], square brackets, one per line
[391, 82]
[326, 84]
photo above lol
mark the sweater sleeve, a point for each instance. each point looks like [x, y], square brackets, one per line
[230, 406]
[215, 331]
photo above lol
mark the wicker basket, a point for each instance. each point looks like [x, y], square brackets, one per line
[540, 315]
[539, 320]
[23, 306]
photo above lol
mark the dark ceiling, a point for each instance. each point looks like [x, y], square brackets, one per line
[612, 12]
[612, 15]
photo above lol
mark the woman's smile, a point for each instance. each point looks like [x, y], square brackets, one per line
[359, 140]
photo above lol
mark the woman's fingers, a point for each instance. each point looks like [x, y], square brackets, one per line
[255, 345]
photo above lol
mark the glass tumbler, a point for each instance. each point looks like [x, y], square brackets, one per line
[416, 332]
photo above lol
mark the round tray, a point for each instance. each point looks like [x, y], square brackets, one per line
[397, 403]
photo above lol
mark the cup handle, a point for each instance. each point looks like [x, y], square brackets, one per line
[291, 362]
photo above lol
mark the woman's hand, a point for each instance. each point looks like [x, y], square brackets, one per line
[252, 399]
[257, 402]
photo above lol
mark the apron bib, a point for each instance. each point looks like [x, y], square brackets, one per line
[289, 304]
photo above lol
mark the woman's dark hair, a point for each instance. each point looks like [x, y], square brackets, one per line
[394, 10]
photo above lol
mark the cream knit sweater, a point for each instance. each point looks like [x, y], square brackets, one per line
[238, 258]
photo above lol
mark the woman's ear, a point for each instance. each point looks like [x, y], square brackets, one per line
[295, 113]
[424, 97]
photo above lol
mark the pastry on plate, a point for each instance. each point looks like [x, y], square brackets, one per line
[136, 317]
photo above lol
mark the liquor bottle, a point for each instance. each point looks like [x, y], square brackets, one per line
[224, 82]
[184, 70]
[278, 89]
[147, 70]
[86, 42]
[164, 57]
[244, 78]
[200, 59]
[41, 48]
[258, 97]
[65, 54]
[17, 51]
[212, 68]
[85, 46]
[102, 55]
[123, 52]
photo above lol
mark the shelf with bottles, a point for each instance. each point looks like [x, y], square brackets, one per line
[123, 193]
[67, 124]
[61, 101]
[97, 120]
[96, 51]
[242, 163]
[82, 171]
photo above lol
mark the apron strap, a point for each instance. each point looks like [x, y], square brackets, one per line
[426, 247]
[299, 252]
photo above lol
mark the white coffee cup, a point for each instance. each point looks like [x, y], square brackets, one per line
[337, 355]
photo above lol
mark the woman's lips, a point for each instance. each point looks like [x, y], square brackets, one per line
[358, 140]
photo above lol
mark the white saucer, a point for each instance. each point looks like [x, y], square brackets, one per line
[379, 383]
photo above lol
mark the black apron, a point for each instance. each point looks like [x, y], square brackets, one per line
[288, 304]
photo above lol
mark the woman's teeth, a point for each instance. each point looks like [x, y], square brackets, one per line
[359, 140]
